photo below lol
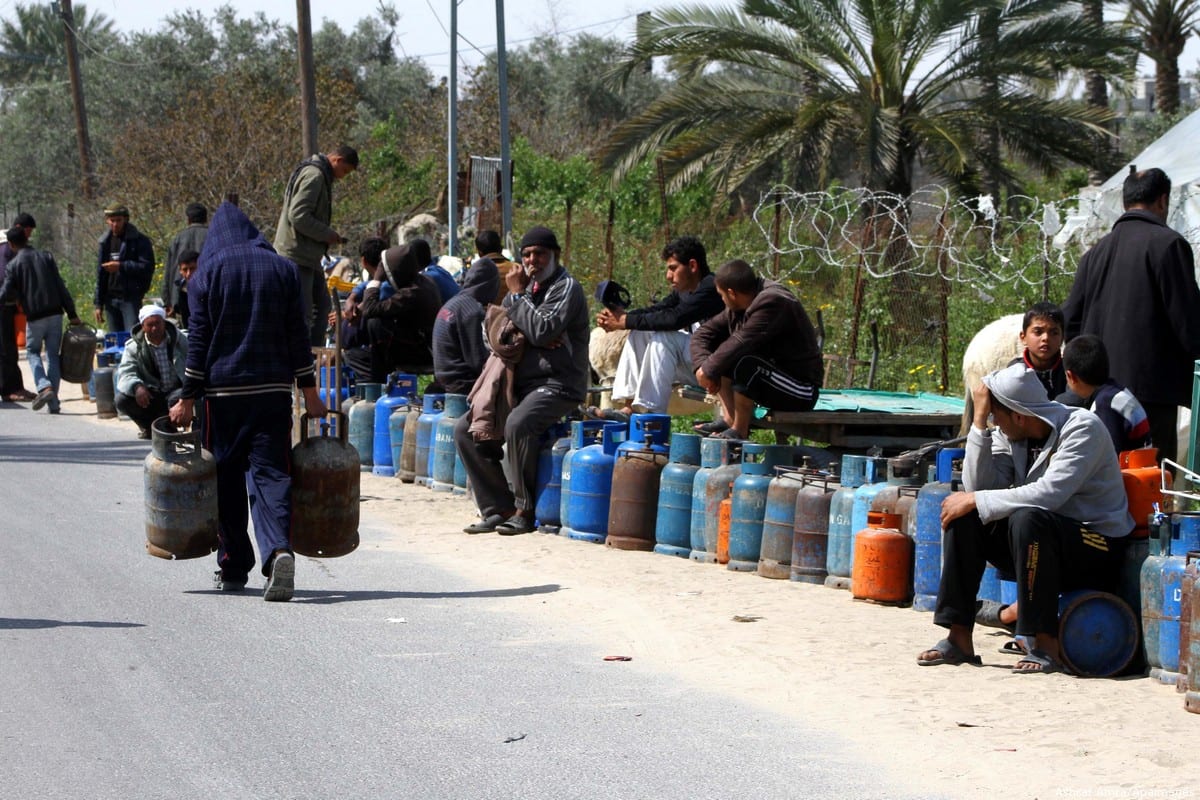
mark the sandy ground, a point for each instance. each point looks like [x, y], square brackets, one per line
[844, 666]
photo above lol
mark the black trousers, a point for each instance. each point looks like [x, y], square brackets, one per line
[1163, 418]
[771, 387]
[11, 381]
[1048, 553]
[159, 404]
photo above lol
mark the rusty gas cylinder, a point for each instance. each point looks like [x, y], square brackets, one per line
[325, 492]
[407, 472]
[1187, 602]
[180, 490]
[633, 504]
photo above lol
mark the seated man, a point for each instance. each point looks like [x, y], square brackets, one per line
[1044, 501]
[549, 378]
[458, 347]
[399, 326]
[761, 350]
[447, 287]
[150, 375]
[656, 353]
[488, 245]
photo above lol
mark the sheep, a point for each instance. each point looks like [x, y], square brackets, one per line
[993, 347]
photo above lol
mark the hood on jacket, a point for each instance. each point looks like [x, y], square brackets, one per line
[482, 281]
[1018, 388]
[230, 228]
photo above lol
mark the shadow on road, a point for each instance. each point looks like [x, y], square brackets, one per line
[25, 449]
[313, 597]
[10, 623]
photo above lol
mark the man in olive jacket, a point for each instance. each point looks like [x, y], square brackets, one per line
[303, 232]
[761, 350]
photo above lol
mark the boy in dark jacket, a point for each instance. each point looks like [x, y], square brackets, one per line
[1089, 386]
[1042, 336]
[761, 350]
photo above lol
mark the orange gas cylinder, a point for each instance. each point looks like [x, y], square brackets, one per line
[19, 327]
[1143, 486]
[724, 520]
[883, 561]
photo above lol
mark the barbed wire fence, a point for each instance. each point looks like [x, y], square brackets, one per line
[925, 271]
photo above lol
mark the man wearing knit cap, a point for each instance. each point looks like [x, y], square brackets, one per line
[125, 266]
[12, 383]
[1044, 501]
[150, 375]
[549, 309]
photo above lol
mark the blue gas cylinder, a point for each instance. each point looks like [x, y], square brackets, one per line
[949, 464]
[779, 523]
[989, 584]
[857, 471]
[1184, 536]
[927, 567]
[362, 425]
[653, 430]
[330, 394]
[673, 525]
[591, 486]
[548, 508]
[1150, 582]
[810, 531]
[714, 452]
[749, 505]
[1097, 633]
[444, 451]
[400, 389]
[864, 496]
[432, 406]
[396, 425]
[717, 488]
[583, 434]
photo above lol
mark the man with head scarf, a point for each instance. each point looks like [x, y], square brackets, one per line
[150, 375]
[458, 347]
[1044, 502]
[549, 308]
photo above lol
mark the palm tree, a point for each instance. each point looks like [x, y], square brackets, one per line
[791, 85]
[32, 46]
[1163, 27]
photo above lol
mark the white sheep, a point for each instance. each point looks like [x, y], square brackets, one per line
[992, 348]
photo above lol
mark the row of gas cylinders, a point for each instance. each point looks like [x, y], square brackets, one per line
[1171, 604]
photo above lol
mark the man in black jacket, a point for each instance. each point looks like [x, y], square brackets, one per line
[1136, 290]
[12, 383]
[124, 268]
[33, 280]
[656, 353]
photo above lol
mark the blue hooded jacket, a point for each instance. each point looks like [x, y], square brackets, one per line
[246, 329]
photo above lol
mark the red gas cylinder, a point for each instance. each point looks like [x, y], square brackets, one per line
[883, 561]
[1143, 486]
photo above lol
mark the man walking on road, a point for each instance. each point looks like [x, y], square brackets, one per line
[12, 383]
[33, 280]
[247, 346]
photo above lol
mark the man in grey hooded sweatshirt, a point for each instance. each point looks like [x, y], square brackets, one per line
[1044, 501]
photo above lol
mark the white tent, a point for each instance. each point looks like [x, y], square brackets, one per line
[1177, 153]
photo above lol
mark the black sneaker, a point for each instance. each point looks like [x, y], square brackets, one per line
[282, 582]
[42, 398]
[225, 585]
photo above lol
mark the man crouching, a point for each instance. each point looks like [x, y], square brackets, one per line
[1044, 502]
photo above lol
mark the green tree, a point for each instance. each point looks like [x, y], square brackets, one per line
[786, 85]
[33, 46]
[1163, 28]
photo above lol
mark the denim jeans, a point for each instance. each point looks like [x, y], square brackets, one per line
[120, 315]
[46, 331]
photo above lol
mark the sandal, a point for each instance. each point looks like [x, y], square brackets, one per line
[1038, 662]
[1014, 647]
[730, 434]
[949, 654]
[515, 525]
[988, 614]
[606, 414]
[710, 428]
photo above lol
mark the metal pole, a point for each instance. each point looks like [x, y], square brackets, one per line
[308, 78]
[81, 124]
[452, 156]
[505, 143]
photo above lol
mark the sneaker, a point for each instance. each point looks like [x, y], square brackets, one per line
[55, 410]
[143, 433]
[43, 397]
[220, 582]
[282, 582]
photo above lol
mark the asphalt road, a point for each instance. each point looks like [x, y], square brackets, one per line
[125, 676]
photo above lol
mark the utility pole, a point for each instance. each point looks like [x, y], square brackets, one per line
[452, 155]
[505, 145]
[308, 78]
[81, 126]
